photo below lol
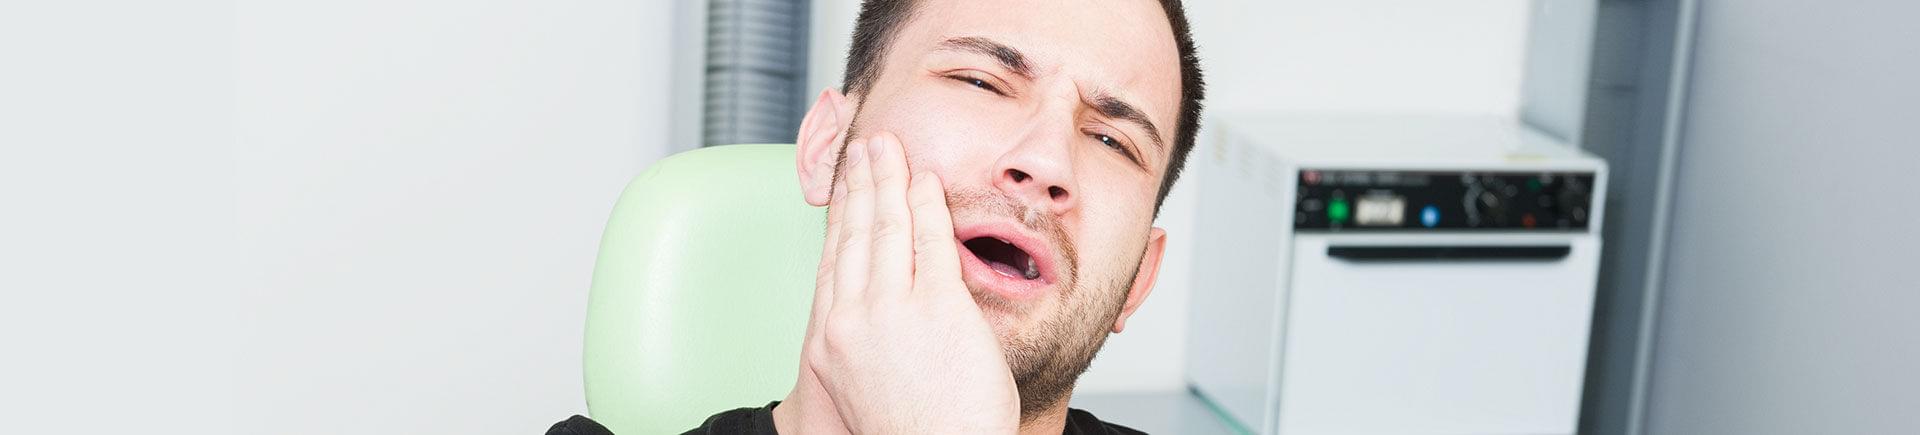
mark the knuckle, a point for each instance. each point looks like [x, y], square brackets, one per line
[816, 355]
[840, 335]
[856, 187]
[888, 228]
[835, 329]
[823, 270]
[823, 280]
[925, 242]
[925, 198]
[887, 177]
[847, 242]
[921, 202]
[926, 191]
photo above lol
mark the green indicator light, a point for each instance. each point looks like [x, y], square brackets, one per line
[1533, 185]
[1337, 210]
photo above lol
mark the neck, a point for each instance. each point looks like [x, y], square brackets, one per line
[808, 410]
[1049, 421]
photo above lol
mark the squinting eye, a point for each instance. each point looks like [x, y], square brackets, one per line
[978, 83]
[1115, 144]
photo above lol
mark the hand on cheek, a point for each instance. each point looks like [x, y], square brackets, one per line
[896, 340]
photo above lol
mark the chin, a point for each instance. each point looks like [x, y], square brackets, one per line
[1011, 319]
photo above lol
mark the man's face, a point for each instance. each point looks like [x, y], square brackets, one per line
[1050, 124]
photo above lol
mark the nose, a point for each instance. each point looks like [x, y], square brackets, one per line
[1039, 171]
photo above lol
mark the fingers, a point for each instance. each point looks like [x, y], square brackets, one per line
[936, 255]
[854, 199]
[892, 221]
[829, 250]
[823, 275]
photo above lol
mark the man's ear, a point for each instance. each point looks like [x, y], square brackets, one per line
[821, 133]
[1143, 277]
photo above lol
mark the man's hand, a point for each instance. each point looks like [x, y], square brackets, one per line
[895, 339]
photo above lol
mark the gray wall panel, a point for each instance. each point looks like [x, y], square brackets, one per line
[1793, 276]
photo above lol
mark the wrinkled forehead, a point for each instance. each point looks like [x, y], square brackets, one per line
[1125, 47]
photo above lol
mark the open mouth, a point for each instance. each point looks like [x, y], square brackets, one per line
[1004, 257]
[1005, 262]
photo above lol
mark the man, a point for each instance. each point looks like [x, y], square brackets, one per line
[992, 172]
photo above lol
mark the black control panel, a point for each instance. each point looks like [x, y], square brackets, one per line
[1346, 200]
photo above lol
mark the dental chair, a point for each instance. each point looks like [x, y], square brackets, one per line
[702, 289]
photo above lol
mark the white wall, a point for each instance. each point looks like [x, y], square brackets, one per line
[1362, 56]
[1286, 55]
[421, 187]
[115, 187]
[331, 217]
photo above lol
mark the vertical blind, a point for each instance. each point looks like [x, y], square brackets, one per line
[756, 67]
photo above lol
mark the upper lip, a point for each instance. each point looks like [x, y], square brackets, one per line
[1037, 248]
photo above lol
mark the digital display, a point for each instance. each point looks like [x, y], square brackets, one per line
[1380, 210]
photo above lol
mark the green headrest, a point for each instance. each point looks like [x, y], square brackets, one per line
[701, 292]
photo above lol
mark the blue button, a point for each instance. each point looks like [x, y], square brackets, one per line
[1430, 216]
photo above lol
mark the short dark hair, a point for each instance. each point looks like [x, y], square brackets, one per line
[880, 21]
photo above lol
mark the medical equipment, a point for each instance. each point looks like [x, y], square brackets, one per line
[1393, 274]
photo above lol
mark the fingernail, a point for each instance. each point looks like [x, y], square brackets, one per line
[859, 151]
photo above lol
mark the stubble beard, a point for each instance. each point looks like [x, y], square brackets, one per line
[1046, 359]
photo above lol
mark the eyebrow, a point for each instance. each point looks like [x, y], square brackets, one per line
[1013, 60]
[1116, 108]
[1010, 58]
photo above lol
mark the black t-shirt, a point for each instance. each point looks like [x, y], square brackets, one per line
[759, 421]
